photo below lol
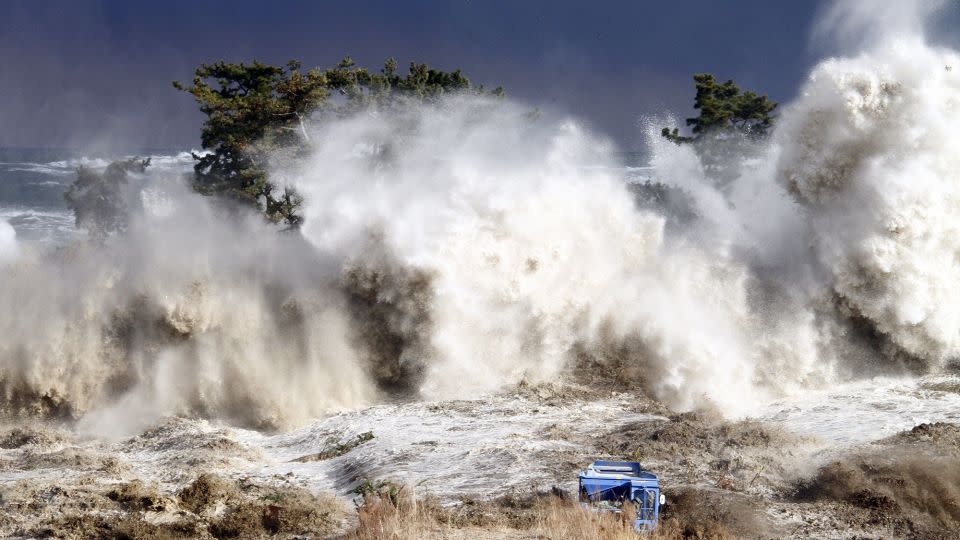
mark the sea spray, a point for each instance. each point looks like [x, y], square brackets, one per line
[8, 243]
[537, 257]
[189, 312]
[871, 153]
[454, 248]
[447, 250]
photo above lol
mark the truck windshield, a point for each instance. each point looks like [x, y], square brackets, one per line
[604, 492]
[646, 501]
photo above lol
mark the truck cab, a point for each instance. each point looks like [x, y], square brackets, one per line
[608, 485]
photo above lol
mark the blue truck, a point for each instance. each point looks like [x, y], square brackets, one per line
[608, 485]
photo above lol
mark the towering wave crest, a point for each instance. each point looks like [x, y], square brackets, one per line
[187, 313]
[447, 251]
[871, 153]
[533, 253]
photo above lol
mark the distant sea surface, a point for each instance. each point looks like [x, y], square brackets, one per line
[34, 180]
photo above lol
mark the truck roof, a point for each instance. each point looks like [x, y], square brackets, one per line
[619, 470]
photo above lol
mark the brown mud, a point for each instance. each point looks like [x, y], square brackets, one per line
[210, 507]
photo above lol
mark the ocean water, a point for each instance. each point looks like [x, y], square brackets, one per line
[34, 180]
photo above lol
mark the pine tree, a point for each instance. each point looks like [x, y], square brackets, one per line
[728, 127]
[256, 111]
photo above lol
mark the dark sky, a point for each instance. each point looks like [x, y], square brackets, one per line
[90, 74]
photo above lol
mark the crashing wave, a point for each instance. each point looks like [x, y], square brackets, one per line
[451, 249]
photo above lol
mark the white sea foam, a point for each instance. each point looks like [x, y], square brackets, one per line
[869, 151]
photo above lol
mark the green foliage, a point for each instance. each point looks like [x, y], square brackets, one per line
[384, 489]
[724, 109]
[250, 110]
[340, 448]
[336, 448]
[728, 127]
[99, 201]
[255, 111]
[274, 497]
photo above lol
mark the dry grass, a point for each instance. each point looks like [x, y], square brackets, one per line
[404, 517]
[557, 518]
[395, 514]
[209, 508]
[561, 519]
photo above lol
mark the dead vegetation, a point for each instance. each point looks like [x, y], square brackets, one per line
[722, 480]
[209, 508]
[557, 518]
[562, 519]
[908, 484]
[912, 499]
[394, 512]
[700, 448]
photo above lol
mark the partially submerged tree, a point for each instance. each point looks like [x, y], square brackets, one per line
[675, 203]
[256, 110]
[725, 110]
[100, 200]
[729, 123]
[251, 109]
